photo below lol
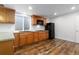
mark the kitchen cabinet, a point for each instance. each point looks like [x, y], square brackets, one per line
[36, 37]
[43, 35]
[7, 15]
[46, 35]
[26, 38]
[10, 15]
[29, 37]
[23, 38]
[6, 47]
[16, 41]
[35, 18]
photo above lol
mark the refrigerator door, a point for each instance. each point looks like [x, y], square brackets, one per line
[50, 28]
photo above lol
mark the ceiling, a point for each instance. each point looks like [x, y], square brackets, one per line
[46, 10]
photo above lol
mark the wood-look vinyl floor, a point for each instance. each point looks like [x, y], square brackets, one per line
[50, 47]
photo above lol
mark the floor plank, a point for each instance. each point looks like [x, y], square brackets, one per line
[50, 47]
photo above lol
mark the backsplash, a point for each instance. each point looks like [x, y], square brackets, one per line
[11, 28]
[37, 27]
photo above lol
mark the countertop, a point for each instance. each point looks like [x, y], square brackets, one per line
[29, 31]
[10, 35]
[6, 36]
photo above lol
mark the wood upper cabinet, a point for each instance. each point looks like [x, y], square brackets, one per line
[10, 15]
[7, 15]
[35, 18]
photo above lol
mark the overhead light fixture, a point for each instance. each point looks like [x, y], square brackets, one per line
[55, 13]
[73, 8]
[30, 8]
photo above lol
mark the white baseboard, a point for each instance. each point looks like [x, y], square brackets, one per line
[65, 39]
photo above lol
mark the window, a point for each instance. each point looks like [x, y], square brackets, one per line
[18, 22]
[26, 23]
[22, 23]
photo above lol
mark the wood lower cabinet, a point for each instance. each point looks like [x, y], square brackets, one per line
[16, 41]
[41, 35]
[26, 38]
[23, 38]
[46, 36]
[6, 47]
[36, 37]
[29, 38]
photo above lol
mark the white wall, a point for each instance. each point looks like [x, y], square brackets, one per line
[65, 27]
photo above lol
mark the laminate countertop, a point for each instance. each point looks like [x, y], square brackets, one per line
[6, 36]
[30, 31]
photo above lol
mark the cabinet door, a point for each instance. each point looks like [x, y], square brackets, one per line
[16, 41]
[2, 15]
[6, 47]
[30, 38]
[36, 39]
[10, 15]
[34, 20]
[41, 36]
[46, 35]
[7, 15]
[23, 39]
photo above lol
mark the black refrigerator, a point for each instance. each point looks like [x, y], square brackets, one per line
[51, 30]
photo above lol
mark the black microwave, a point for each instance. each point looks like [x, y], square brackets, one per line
[40, 22]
